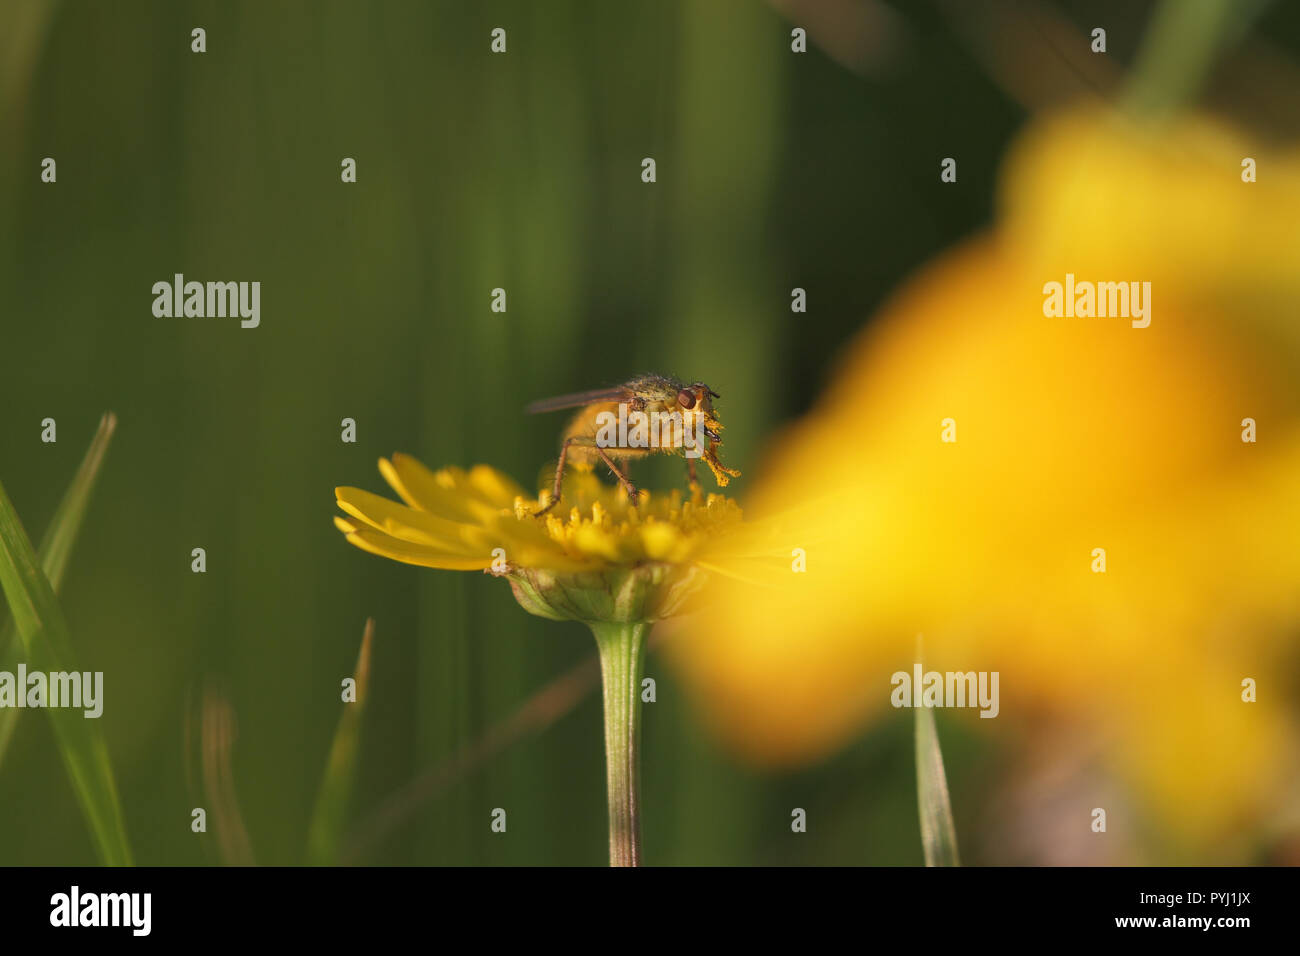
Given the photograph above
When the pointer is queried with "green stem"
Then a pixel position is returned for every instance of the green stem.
(1180, 47)
(622, 650)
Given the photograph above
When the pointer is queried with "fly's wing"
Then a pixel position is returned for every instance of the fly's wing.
(619, 393)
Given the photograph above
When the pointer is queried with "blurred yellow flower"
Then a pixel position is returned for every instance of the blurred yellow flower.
(1103, 194)
(1074, 437)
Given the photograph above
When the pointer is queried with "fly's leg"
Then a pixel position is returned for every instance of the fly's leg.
(604, 456)
(696, 490)
(622, 478)
(559, 477)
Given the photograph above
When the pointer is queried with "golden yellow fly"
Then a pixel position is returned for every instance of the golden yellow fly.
(649, 415)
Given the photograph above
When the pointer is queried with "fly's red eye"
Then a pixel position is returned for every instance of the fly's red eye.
(686, 398)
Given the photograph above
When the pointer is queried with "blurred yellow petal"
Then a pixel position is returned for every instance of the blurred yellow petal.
(1168, 198)
(660, 541)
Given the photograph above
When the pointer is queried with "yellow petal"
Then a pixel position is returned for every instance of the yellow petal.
(416, 527)
(441, 493)
(376, 542)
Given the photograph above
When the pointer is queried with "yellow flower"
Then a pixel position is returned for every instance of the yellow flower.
(602, 560)
(1169, 201)
(1072, 434)
(615, 567)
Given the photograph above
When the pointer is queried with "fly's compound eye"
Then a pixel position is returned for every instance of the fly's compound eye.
(686, 398)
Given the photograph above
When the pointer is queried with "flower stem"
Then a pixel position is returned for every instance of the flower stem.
(622, 648)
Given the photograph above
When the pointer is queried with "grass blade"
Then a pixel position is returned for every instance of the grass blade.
(61, 535)
(325, 835)
(218, 730)
(44, 634)
(55, 550)
(938, 835)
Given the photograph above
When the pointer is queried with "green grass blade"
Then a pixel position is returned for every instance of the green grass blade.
(44, 634)
(938, 835)
(55, 550)
(1182, 43)
(325, 835)
(56, 546)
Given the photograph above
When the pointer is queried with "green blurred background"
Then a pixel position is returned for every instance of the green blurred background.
(475, 171)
